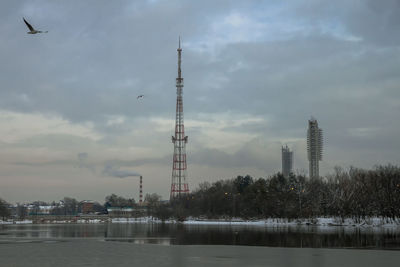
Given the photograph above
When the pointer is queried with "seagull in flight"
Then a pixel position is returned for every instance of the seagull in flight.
(31, 29)
(139, 96)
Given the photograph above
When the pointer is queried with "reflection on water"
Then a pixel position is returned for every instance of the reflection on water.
(178, 234)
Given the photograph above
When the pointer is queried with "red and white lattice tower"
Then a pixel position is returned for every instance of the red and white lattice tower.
(179, 185)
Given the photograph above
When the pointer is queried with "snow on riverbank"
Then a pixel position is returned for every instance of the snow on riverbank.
(136, 220)
(369, 222)
(374, 222)
(16, 222)
(89, 221)
(332, 221)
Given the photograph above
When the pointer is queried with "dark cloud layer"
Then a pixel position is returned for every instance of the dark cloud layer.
(271, 63)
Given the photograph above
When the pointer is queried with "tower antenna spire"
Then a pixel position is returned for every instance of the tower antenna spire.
(179, 185)
(179, 65)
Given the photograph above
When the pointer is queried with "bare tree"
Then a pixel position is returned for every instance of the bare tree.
(4, 209)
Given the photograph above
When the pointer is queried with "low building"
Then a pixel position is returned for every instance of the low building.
(87, 206)
(120, 211)
(39, 210)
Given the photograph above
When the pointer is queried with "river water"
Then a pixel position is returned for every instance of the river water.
(196, 245)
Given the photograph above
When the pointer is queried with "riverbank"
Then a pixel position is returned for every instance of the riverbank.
(368, 222)
(331, 221)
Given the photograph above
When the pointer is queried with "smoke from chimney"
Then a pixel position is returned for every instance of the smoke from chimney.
(109, 170)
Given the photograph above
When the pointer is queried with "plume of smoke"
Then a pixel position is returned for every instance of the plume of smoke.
(83, 156)
(83, 162)
(110, 170)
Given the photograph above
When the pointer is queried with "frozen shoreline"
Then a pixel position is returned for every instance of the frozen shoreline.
(331, 221)
(370, 222)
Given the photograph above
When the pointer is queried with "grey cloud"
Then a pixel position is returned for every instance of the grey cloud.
(251, 127)
(274, 72)
(99, 55)
(83, 162)
(256, 153)
(44, 163)
(90, 48)
(83, 156)
(57, 142)
(117, 163)
(373, 21)
(110, 170)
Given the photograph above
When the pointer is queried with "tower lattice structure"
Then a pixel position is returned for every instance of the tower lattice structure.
(287, 161)
(314, 147)
(179, 185)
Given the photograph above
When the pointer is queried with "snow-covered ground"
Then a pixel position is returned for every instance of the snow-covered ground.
(16, 222)
(23, 222)
(373, 221)
(90, 221)
(136, 220)
(331, 221)
(369, 222)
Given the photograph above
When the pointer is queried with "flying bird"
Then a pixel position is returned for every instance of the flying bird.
(139, 96)
(31, 29)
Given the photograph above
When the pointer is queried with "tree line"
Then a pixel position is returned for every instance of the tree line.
(355, 193)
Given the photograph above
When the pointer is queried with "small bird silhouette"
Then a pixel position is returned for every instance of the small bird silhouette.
(31, 29)
(139, 96)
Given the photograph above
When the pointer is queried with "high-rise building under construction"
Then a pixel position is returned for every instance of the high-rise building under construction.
(314, 147)
(287, 161)
(179, 185)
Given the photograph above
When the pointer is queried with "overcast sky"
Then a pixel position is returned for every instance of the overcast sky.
(255, 72)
